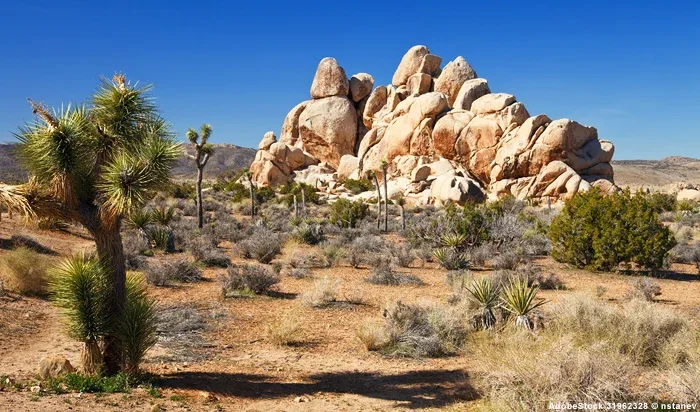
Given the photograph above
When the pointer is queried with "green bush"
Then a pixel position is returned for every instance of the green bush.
(600, 232)
(358, 186)
(346, 213)
(182, 190)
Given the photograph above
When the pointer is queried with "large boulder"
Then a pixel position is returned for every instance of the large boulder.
(360, 86)
(410, 64)
(492, 102)
(54, 366)
(456, 189)
(476, 146)
(430, 65)
(446, 131)
(329, 80)
(349, 167)
(290, 127)
(469, 92)
(453, 77)
(328, 128)
(419, 83)
(268, 139)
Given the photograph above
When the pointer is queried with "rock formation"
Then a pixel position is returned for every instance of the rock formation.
(445, 135)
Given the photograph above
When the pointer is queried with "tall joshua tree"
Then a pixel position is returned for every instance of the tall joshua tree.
(94, 164)
(386, 197)
(203, 151)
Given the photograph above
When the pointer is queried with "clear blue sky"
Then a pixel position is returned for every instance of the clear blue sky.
(629, 68)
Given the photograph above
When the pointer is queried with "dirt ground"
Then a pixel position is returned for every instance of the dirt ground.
(230, 364)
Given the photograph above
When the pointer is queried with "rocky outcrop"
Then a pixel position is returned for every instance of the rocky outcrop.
(54, 366)
(443, 133)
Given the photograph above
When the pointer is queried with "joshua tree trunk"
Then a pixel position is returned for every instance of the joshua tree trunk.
(386, 201)
(379, 202)
(403, 217)
(200, 207)
(296, 208)
(252, 196)
(111, 252)
(303, 202)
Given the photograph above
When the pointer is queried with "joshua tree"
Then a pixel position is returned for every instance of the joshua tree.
(94, 164)
(251, 189)
(373, 176)
(386, 197)
(401, 202)
(202, 152)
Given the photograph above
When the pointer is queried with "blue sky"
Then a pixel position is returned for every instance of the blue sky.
(629, 68)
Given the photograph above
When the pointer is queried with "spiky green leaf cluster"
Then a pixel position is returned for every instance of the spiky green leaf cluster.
(108, 155)
(136, 327)
(520, 299)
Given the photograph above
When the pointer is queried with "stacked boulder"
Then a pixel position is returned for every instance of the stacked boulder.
(442, 132)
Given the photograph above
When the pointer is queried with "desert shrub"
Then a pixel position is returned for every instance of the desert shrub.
(307, 259)
(662, 202)
(296, 273)
(180, 270)
(208, 254)
(323, 292)
(686, 254)
(181, 190)
(358, 186)
(23, 271)
(422, 330)
(332, 252)
(383, 273)
(346, 213)
(373, 335)
(550, 281)
(508, 260)
(363, 248)
(157, 275)
(451, 258)
(309, 233)
(535, 243)
(480, 254)
(163, 215)
(643, 288)
(285, 330)
(601, 232)
(403, 255)
(262, 245)
(51, 223)
(247, 279)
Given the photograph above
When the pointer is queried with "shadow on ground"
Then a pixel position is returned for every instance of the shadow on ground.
(432, 388)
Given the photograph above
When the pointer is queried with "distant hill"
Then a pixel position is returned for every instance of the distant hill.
(645, 173)
(225, 157)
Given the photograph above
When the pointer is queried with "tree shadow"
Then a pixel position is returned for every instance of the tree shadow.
(421, 389)
(18, 241)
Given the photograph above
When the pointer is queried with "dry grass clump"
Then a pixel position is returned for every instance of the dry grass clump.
(307, 259)
(589, 351)
(262, 245)
(322, 293)
(416, 330)
(285, 330)
(160, 274)
(643, 288)
(248, 280)
(383, 273)
(23, 271)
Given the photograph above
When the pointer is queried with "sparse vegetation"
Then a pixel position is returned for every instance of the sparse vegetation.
(248, 279)
(23, 271)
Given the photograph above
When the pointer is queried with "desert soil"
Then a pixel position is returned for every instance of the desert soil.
(232, 365)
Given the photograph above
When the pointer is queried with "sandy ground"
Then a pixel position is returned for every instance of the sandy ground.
(235, 367)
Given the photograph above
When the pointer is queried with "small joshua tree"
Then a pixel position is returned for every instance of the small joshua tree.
(202, 152)
(401, 202)
(386, 197)
(248, 175)
(373, 176)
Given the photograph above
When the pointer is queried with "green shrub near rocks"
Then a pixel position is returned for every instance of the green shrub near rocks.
(348, 214)
(601, 232)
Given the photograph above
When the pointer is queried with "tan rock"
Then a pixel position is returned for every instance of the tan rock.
(377, 100)
(370, 139)
(349, 165)
(266, 173)
(469, 92)
(419, 83)
(457, 189)
(328, 128)
(53, 366)
(420, 174)
(295, 157)
(441, 167)
(692, 195)
(329, 80)
(590, 154)
(361, 86)
(430, 65)
(492, 102)
(290, 127)
(453, 77)
(410, 63)
(279, 151)
(446, 131)
(268, 139)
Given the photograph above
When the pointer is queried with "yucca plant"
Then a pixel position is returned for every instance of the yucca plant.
(79, 285)
(163, 215)
(163, 238)
(202, 152)
(485, 293)
(141, 219)
(135, 329)
(450, 258)
(519, 299)
(94, 164)
(453, 240)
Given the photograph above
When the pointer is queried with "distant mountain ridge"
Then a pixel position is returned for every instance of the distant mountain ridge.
(225, 157)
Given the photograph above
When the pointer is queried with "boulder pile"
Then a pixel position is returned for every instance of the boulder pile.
(441, 131)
